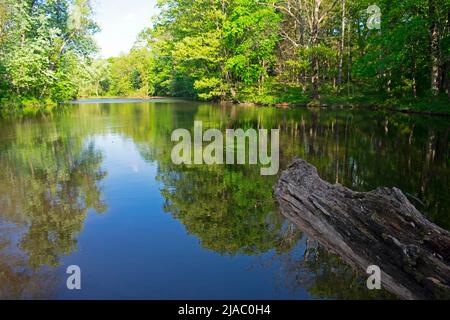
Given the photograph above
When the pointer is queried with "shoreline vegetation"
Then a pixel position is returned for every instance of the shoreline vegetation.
(438, 107)
(32, 108)
(321, 53)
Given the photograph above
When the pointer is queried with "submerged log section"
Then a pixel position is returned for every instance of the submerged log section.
(375, 228)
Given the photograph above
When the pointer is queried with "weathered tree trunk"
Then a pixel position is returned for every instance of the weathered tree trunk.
(375, 228)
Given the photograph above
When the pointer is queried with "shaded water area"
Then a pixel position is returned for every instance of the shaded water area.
(93, 185)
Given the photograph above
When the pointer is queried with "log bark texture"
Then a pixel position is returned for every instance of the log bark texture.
(378, 228)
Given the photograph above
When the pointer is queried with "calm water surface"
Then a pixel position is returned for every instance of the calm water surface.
(94, 186)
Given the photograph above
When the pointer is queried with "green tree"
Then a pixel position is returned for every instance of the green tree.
(129, 74)
(46, 46)
(213, 49)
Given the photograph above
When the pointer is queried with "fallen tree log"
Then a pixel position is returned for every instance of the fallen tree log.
(374, 228)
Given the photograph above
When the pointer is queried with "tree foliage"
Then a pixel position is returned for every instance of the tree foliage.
(268, 51)
(45, 48)
(241, 50)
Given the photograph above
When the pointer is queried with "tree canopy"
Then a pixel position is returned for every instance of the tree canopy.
(263, 51)
(45, 49)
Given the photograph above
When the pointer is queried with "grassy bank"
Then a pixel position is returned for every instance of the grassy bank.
(294, 96)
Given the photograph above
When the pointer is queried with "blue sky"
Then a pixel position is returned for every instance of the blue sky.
(121, 21)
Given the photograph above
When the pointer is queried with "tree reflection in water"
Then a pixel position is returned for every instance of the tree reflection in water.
(48, 182)
(231, 210)
(50, 174)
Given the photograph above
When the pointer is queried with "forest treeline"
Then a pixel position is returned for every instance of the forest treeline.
(46, 50)
(264, 51)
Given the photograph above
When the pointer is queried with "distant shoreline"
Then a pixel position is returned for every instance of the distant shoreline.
(279, 105)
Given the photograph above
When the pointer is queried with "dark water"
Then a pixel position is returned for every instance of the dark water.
(94, 186)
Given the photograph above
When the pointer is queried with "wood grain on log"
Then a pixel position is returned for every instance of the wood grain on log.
(370, 228)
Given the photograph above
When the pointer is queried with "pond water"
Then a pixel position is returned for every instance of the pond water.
(93, 185)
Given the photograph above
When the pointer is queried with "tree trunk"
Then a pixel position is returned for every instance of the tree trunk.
(314, 42)
(414, 81)
(379, 228)
(341, 48)
(315, 77)
(350, 60)
(434, 48)
(447, 69)
(447, 79)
